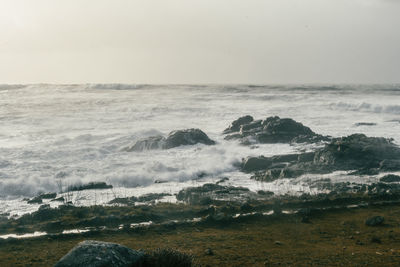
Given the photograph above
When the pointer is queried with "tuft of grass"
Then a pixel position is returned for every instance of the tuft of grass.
(166, 257)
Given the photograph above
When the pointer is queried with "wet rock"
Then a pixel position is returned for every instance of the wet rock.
(365, 124)
(91, 185)
(235, 125)
(35, 200)
(375, 221)
(206, 194)
(174, 139)
(366, 155)
(60, 199)
(271, 130)
(39, 199)
(187, 137)
(390, 178)
(97, 254)
(252, 164)
(357, 151)
(265, 193)
(222, 180)
(152, 196)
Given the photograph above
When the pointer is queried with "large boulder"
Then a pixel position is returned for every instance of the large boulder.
(271, 130)
(91, 253)
(174, 139)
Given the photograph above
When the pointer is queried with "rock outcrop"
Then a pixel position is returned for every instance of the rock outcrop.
(174, 139)
(271, 130)
(390, 178)
(365, 155)
(91, 253)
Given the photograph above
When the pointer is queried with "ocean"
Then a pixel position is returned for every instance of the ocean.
(55, 136)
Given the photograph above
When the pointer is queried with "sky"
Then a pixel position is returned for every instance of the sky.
(200, 41)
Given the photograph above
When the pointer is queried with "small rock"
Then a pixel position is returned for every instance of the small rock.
(279, 243)
(209, 252)
(376, 240)
(375, 221)
(305, 219)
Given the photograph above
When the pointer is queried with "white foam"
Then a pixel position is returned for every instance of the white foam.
(76, 133)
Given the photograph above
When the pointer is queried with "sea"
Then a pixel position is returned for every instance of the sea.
(56, 136)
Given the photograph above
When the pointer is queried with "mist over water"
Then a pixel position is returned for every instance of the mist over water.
(77, 133)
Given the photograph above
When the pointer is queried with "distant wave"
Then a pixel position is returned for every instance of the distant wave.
(367, 107)
(116, 86)
(11, 86)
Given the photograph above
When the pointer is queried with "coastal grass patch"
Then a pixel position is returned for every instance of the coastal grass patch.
(331, 238)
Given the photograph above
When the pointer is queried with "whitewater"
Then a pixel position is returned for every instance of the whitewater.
(54, 136)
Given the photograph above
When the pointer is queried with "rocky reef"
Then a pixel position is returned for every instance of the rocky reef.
(358, 153)
(174, 139)
(271, 130)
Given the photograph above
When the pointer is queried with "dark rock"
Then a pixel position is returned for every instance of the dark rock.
(152, 197)
(61, 199)
(91, 185)
(207, 193)
(39, 199)
(366, 155)
(265, 193)
(48, 195)
(222, 180)
(357, 151)
(209, 252)
(375, 239)
(99, 254)
(271, 130)
(375, 221)
(235, 125)
(187, 137)
(252, 164)
(174, 139)
(365, 124)
(35, 200)
(390, 178)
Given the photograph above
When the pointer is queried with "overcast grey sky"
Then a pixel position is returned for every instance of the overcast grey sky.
(200, 41)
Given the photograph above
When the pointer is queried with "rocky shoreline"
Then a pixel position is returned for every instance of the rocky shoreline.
(216, 204)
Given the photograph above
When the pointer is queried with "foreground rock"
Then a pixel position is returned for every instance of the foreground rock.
(365, 155)
(98, 254)
(174, 139)
(271, 130)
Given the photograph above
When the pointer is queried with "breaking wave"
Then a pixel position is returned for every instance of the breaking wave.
(366, 107)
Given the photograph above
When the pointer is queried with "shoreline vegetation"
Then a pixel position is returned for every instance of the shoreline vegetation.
(327, 237)
(223, 225)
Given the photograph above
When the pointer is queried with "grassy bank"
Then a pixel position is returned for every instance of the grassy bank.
(330, 238)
